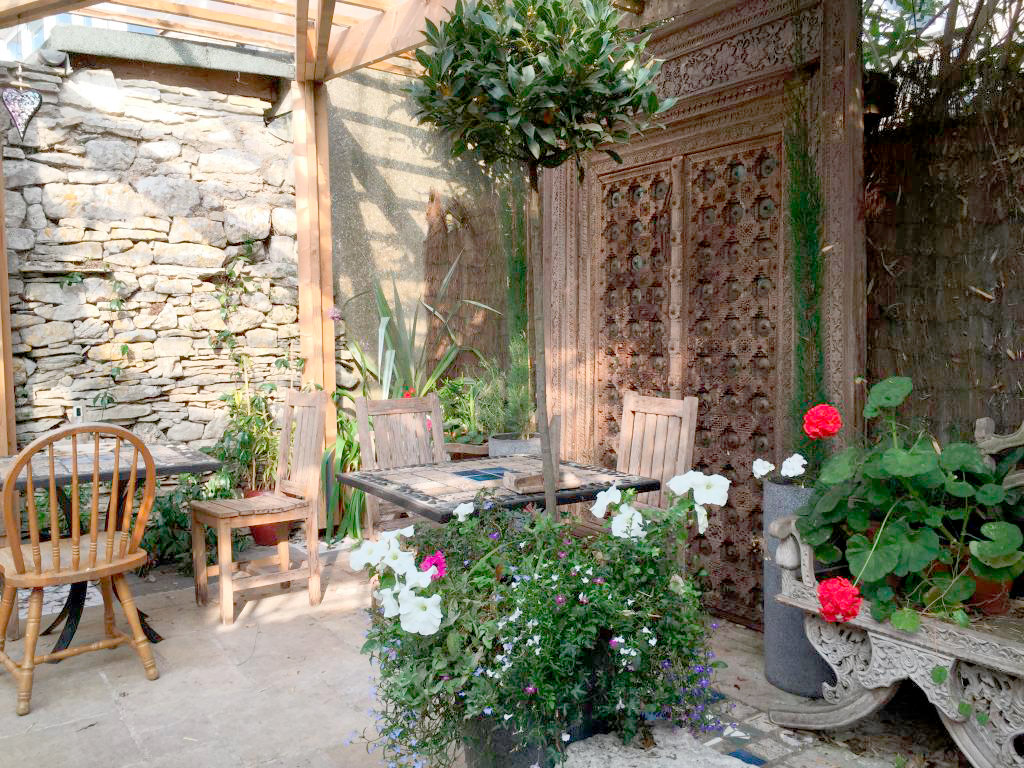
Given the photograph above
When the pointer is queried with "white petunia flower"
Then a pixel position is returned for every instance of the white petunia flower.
(420, 579)
(366, 554)
(390, 536)
(463, 511)
(793, 466)
(388, 603)
(762, 468)
(606, 497)
(628, 523)
(702, 518)
(420, 615)
(399, 561)
(680, 484)
(566, 737)
(711, 489)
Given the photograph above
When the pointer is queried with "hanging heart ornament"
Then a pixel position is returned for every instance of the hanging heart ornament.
(22, 106)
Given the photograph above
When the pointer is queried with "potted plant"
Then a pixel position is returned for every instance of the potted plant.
(459, 404)
(248, 449)
(919, 528)
(504, 633)
(506, 404)
(790, 662)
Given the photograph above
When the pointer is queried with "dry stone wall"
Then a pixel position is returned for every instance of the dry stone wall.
(134, 210)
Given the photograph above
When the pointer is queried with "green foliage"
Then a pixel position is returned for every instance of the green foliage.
(71, 278)
(168, 536)
(345, 506)
(249, 444)
(404, 356)
(805, 212)
(538, 623)
(535, 83)
(232, 285)
(915, 522)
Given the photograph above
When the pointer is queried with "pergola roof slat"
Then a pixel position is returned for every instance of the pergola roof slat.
(261, 23)
(211, 30)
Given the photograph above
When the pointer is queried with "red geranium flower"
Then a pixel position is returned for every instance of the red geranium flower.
(840, 600)
(822, 421)
(409, 392)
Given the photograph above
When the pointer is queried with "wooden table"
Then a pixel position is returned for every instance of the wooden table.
(168, 460)
(434, 490)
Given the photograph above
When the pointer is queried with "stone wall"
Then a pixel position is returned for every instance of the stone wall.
(135, 209)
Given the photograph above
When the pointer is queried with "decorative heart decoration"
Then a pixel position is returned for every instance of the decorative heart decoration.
(22, 106)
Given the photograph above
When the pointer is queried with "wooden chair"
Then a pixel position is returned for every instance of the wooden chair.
(405, 432)
(296, 498)
(656, 439)
(106, 552)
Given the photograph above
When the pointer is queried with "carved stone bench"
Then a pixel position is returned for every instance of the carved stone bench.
(981, 694)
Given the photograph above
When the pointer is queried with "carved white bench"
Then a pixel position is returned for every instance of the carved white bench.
(981, 694)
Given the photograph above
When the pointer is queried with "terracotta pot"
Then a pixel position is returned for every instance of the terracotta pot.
(266, 535)
(992, 598)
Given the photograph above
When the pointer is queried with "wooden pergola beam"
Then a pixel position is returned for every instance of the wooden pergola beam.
(191, 28)
(13, 12)
(324, 21)
(182, 10)
(395, 31)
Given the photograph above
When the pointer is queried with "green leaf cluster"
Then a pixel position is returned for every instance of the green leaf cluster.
(535, 82)
(914, 522)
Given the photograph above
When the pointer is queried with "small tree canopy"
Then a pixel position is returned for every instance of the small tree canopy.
(536, 82)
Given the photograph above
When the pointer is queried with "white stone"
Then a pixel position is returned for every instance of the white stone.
(197, 230)
(75, 253)
(280, 174)
(124, 393)
(228, 161)
(166, 320)
(90, 329)
(242, 319)
(186, 431)
(69, 311)
(188, 255)
(14, 208)
(258, 301)
(674, 748)
(53, 293)
(110, 154)
(261, 338)
(22, 319)
(173, 346)
(134, 335)
(93, 89)
(20, 239)
(167, 195)
(284, 222)
(139, 256)
(65, 159)
(121, 412)
(23, 173)
(282, 249)
(163, 150)
(247, 222)
(102, 201)
(207, 320)
(36, 218)
(173, 286)
(282, 315)
(216, 428)
(45, 335)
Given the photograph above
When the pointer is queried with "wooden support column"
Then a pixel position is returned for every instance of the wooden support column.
(313, 214)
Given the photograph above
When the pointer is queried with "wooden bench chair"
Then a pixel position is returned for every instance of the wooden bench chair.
(404, 432)
(656, 439)
(106, 552)
(296, 498)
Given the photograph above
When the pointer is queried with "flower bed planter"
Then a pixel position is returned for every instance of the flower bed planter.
(974, 676)
(511, 444)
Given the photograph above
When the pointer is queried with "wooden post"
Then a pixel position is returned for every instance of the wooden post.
(8, 439)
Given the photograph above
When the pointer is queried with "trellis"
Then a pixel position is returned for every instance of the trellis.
(327, 39)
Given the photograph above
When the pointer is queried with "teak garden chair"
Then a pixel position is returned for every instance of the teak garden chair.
(405, 432)
(656, 439)
(295, 498)
(106, 552)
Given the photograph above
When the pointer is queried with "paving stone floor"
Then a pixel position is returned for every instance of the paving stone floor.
(286, 684)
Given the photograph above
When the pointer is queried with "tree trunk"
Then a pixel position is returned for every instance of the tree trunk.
(535, 257)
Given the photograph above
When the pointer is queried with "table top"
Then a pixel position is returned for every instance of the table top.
(168, 459)
(434, 490)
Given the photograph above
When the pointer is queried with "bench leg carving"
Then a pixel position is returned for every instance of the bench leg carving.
(848, 651)
(997, 700)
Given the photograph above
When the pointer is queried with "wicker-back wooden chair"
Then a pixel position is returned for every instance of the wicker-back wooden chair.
(105, 551)
(656, 440)
(296, 498)
(404, 432)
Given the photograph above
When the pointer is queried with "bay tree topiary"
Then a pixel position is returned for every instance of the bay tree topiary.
(535, 84)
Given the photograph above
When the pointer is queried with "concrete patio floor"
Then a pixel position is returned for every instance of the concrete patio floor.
(286, 685)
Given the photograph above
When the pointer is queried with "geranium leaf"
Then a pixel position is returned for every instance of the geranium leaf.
(839, 468)
(903, 463)
(888, 393)
(964, 457)
(867, 565)
(906, 620)
(990, 494)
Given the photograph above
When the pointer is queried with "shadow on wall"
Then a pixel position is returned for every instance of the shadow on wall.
(383, 168)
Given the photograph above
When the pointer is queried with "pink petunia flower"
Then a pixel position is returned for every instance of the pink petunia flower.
(435, 559)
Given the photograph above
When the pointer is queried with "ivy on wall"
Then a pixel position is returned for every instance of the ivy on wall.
(805, 209)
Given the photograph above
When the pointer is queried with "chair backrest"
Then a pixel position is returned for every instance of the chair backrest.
(405, 432)
(656, 439)
(72, 457)
(301, 443)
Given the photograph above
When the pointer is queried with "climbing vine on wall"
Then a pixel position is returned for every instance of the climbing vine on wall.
(806, 208)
